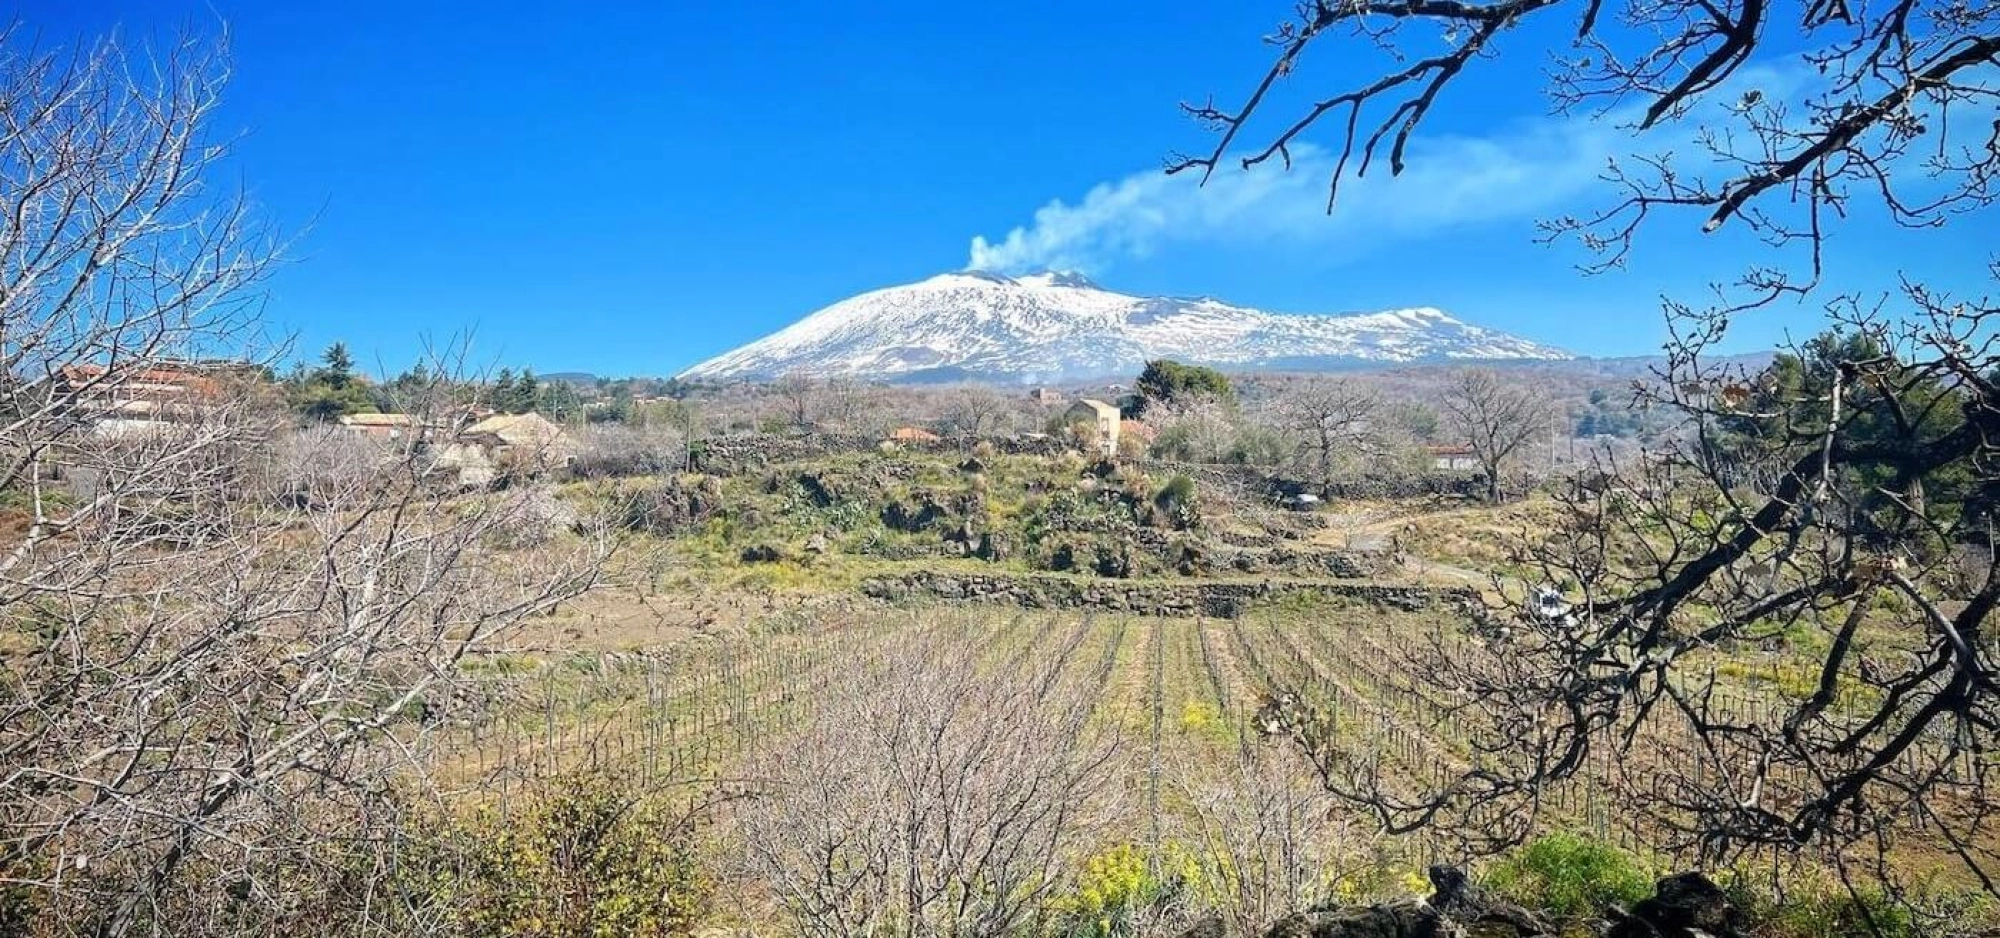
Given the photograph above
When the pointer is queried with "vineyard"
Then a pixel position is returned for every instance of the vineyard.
(1175, 701)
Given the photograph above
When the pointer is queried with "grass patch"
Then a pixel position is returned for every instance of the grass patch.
(1571, 876)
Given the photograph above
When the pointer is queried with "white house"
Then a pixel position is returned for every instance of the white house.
(1454, 459)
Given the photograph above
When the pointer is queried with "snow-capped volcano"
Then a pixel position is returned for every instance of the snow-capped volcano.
(1049, 326)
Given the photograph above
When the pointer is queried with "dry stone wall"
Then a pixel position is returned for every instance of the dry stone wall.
(1218, 598)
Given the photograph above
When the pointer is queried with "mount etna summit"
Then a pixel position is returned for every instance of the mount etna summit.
(1048, 326)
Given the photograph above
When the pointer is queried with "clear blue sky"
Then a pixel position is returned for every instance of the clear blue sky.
(628, 191)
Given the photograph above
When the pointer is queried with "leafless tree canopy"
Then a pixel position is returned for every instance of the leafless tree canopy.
(930, 799)
(224, 644)
(801, 400)
(1495, 418)
(1838, 508)
(1336, 422)
(975, 412)
(1268, 842)
(1891, 108)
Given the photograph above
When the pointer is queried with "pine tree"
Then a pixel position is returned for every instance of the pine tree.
(339, 369)
(503, 389)
(527, 393)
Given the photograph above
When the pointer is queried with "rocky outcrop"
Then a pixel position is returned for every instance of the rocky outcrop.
(1218, 598)
(1210, 925)
(1687, 905)
(1478, 915)
(821, 489)
(734, 455)
(762, 553)
(671, 507)
(923, 511)
(1411, 919)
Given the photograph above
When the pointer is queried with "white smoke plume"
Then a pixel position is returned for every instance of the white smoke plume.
(1447, 182)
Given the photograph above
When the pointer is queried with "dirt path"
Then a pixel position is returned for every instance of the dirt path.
(1375, 528)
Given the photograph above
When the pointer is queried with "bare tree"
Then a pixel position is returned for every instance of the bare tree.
(930, 799)
(1876, 89)
(1266, 842)
(215, 659)
(1495, 418)
(1333, 419)
(851, 405)
(799, 396)
(974, 411)
(1840, 505)
(1808, 515)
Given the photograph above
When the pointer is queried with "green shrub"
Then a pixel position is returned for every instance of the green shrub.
(1825, 909)
(1110, 890)
(585, 857)
(1113, 560)
(1176, 499)
(1259, 446)
(1571, 875)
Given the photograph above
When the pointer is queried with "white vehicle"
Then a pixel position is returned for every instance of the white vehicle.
(1548, 604)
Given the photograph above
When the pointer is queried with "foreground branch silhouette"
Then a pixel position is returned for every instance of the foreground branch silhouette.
(227, 641)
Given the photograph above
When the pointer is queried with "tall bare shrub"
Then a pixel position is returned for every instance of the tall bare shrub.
(929, 798)
(221, 654)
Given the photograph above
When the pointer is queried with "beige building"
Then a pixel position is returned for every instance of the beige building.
(529, 435)
(522, 444)
(1101, 419)
(381, 426)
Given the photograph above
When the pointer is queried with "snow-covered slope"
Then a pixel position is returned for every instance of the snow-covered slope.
(1048, 326)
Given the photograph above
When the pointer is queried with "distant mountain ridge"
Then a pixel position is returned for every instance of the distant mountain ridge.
(1054, 326)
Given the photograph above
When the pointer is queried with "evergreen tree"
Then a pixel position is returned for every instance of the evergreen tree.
(503, 389)
(330, 391)
(560, 400)
(338, 372)
(418, 376)
(1784, 412)
(1165, 382)
(527, 393)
